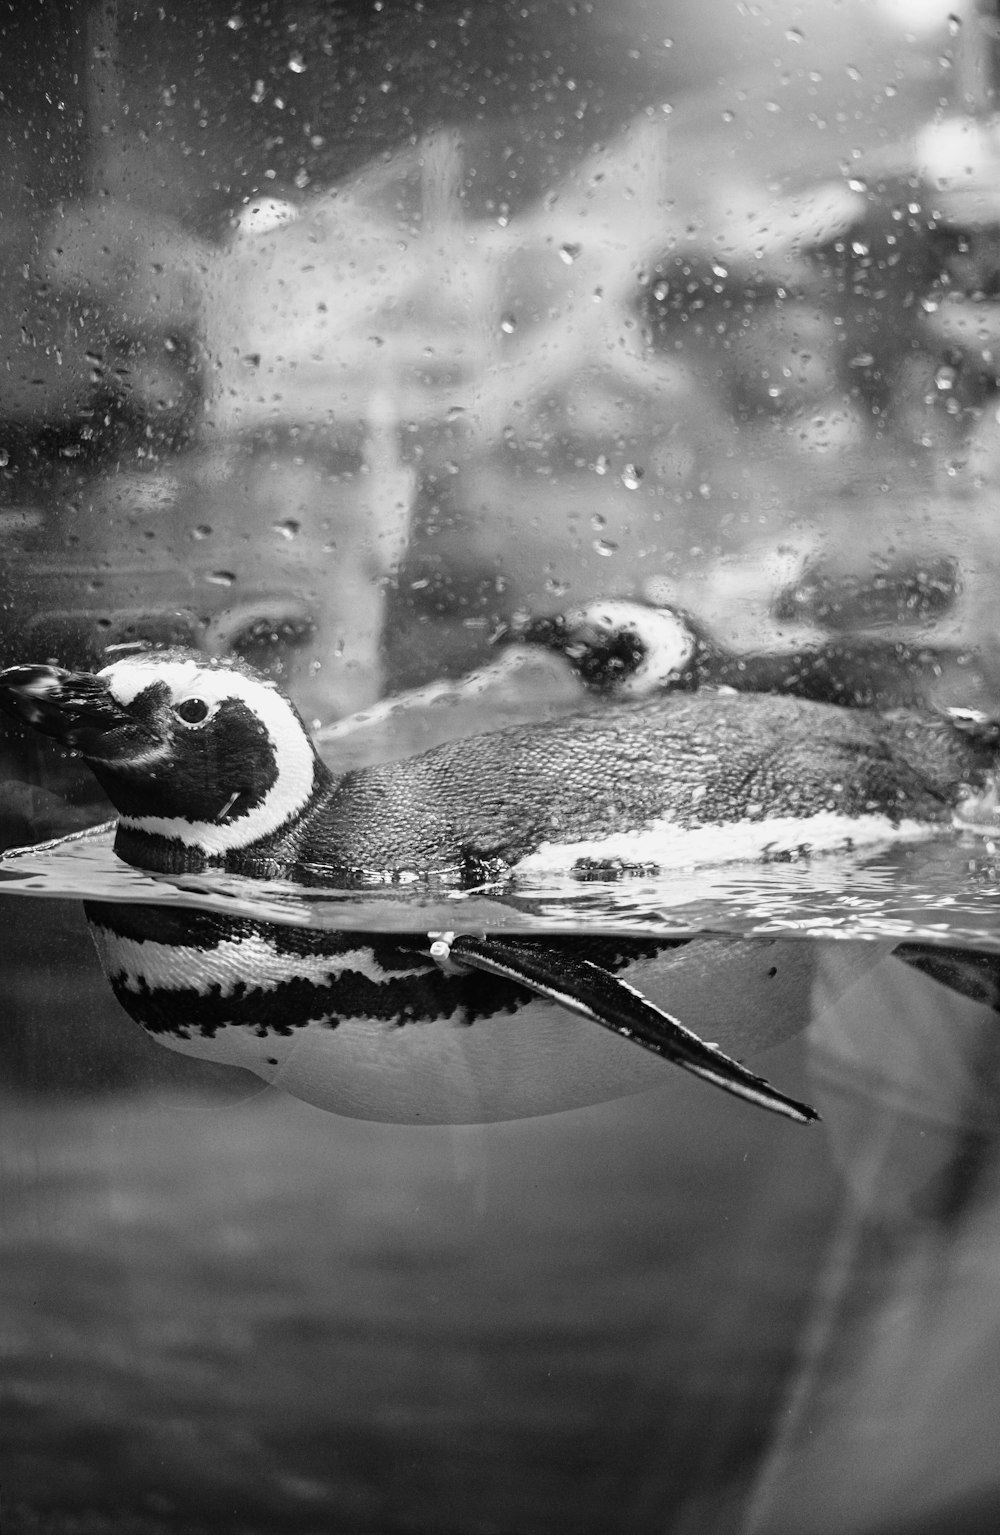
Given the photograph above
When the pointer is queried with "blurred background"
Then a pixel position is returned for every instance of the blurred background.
(334, 335)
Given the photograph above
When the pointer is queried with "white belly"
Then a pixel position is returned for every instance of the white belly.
(537, 1059)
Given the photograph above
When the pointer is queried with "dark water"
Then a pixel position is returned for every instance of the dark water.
(226, 1310)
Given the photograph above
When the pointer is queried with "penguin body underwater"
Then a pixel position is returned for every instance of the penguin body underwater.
(209, 766)
(627, 648)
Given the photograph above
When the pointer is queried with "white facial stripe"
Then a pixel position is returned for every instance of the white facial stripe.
(250, 960)
(670, 644)
(132, 675)
(669, 846)
(292, 747)
(670, 647)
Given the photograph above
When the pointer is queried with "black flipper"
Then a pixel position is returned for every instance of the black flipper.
(594, 993)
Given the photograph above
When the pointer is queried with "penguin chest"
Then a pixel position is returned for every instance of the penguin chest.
(368, 1026)
(364, 1025)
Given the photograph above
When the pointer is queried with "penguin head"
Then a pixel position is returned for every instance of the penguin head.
(622, 647)
(200, 753)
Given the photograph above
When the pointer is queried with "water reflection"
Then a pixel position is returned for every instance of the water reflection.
(945, 890)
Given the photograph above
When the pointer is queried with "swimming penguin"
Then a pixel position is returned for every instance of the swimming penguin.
(209, 766)
(627, 648)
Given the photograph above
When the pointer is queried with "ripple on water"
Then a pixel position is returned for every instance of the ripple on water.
(945, 890)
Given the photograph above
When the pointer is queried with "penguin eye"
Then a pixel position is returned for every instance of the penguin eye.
(192, 711)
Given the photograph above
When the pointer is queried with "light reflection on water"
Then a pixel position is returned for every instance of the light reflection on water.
(943, 891)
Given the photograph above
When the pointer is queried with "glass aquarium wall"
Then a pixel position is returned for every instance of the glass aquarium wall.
(351, 338)
(336, 335)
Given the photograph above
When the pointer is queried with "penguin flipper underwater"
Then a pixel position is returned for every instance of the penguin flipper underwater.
(583, 987)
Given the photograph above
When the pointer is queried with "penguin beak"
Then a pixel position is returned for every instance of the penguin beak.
(75, 708)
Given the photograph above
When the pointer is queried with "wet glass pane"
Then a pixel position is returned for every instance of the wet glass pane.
(455, 367)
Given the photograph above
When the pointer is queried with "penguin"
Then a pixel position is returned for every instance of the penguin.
(209, 766)
(628, 648)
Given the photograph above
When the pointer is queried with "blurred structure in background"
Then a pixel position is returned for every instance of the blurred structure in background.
(333, 334)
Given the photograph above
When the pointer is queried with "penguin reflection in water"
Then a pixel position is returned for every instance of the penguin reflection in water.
(209, 766)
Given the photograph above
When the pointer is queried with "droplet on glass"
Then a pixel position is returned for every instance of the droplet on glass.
(632, 476)
(202, 531)
(569, 252)
(508, 324)
(604, 547)
(4, 458)
(288, 529)
(297, 64)
(945, 378)
(602, 464)
(221, 578)
(258, 93)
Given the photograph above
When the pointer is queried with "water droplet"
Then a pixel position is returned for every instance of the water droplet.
(954, 25)
(605, 547)
(288, 529)
(258, 93)
(569, 252)
(508, 324)
(202, 531)
(297, 64)
(235, 23)
(221, 578)
(945, 378)
(4, 458)
(632, 476)
(602, 464)
(455, 413)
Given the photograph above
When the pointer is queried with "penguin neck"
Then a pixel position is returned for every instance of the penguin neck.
(270, 854)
